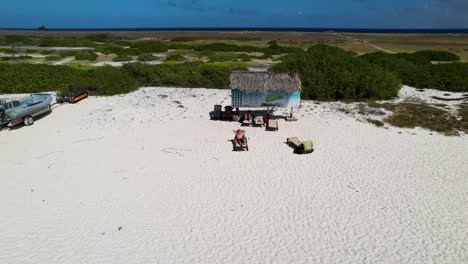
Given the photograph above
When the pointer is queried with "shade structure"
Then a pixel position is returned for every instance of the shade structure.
(259, 89)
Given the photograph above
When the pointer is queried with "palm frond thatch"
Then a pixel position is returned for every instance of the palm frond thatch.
(265, 82)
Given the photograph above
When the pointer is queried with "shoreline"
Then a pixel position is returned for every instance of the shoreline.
(224, 34)
(258, 29)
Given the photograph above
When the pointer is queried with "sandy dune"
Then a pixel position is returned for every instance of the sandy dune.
(148, 178)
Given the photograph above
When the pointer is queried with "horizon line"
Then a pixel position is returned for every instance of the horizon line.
(238, 28)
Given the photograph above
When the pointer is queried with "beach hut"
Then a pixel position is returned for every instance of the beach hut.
(265, 89)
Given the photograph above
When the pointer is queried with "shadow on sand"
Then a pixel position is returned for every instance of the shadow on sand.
(21, 125)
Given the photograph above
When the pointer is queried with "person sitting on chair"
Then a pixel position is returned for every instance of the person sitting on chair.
(248, 116)
(240, 138)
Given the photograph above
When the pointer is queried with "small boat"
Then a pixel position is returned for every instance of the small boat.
(24, 109)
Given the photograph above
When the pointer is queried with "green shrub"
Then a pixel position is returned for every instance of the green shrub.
(109, 49)
(179, 46)
(79, 54)
(54, 57)
(149, 46)
(329, 73)
(174, 57)
(227, 56)
(106, 80)
(47, 52)
(181, 75)
(86, 55)
(377, 123)
(418, 71)
(9, 51)
(15, 58)
(276, 49)
(147, 57)
(123, 43)
(409, 115)
(223, 47)
(121, 58)
(437, 55)
(32, 51)
(448, 77)
(112, 49)
(30, 78)
(17, 40)
(65, 42)
(67, 53)
(265, 56)
(23, 57)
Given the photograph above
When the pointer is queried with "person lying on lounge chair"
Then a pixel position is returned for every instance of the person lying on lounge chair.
(240, 137)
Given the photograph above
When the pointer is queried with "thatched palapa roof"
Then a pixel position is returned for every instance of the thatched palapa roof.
(265, 82)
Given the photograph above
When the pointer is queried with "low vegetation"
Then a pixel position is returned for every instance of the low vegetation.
(8, 51)
(121, 58)
(377, 123)
(147, 57)
(149, 46)
(53, 57)
(273, 49)
(15, 58)
(87, 56)
(192, 74)
(418, 71)
(411, 115)
(336, 75)
(329, 73)
(79, 55)
(174, 57)
(106, 80)
(10, 40)
(437, 55)
(225, 56)
(29, 78)
(65, 42)
(47, 52)
(223, 47)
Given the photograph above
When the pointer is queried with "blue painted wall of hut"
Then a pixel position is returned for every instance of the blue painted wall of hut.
(284, 100)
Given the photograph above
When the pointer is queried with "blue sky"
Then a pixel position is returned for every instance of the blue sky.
(235, 13)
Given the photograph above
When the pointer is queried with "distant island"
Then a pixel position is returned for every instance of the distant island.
(42, 28)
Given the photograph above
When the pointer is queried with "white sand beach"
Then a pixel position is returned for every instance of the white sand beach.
(147, 178)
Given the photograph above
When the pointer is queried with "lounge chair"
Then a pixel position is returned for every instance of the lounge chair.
(293, 142)
(217, 113)
(300, 147)
(237, 147)
(227, 114)
(291, 119)
(258, 121)
(272, 125)
(247, 120)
